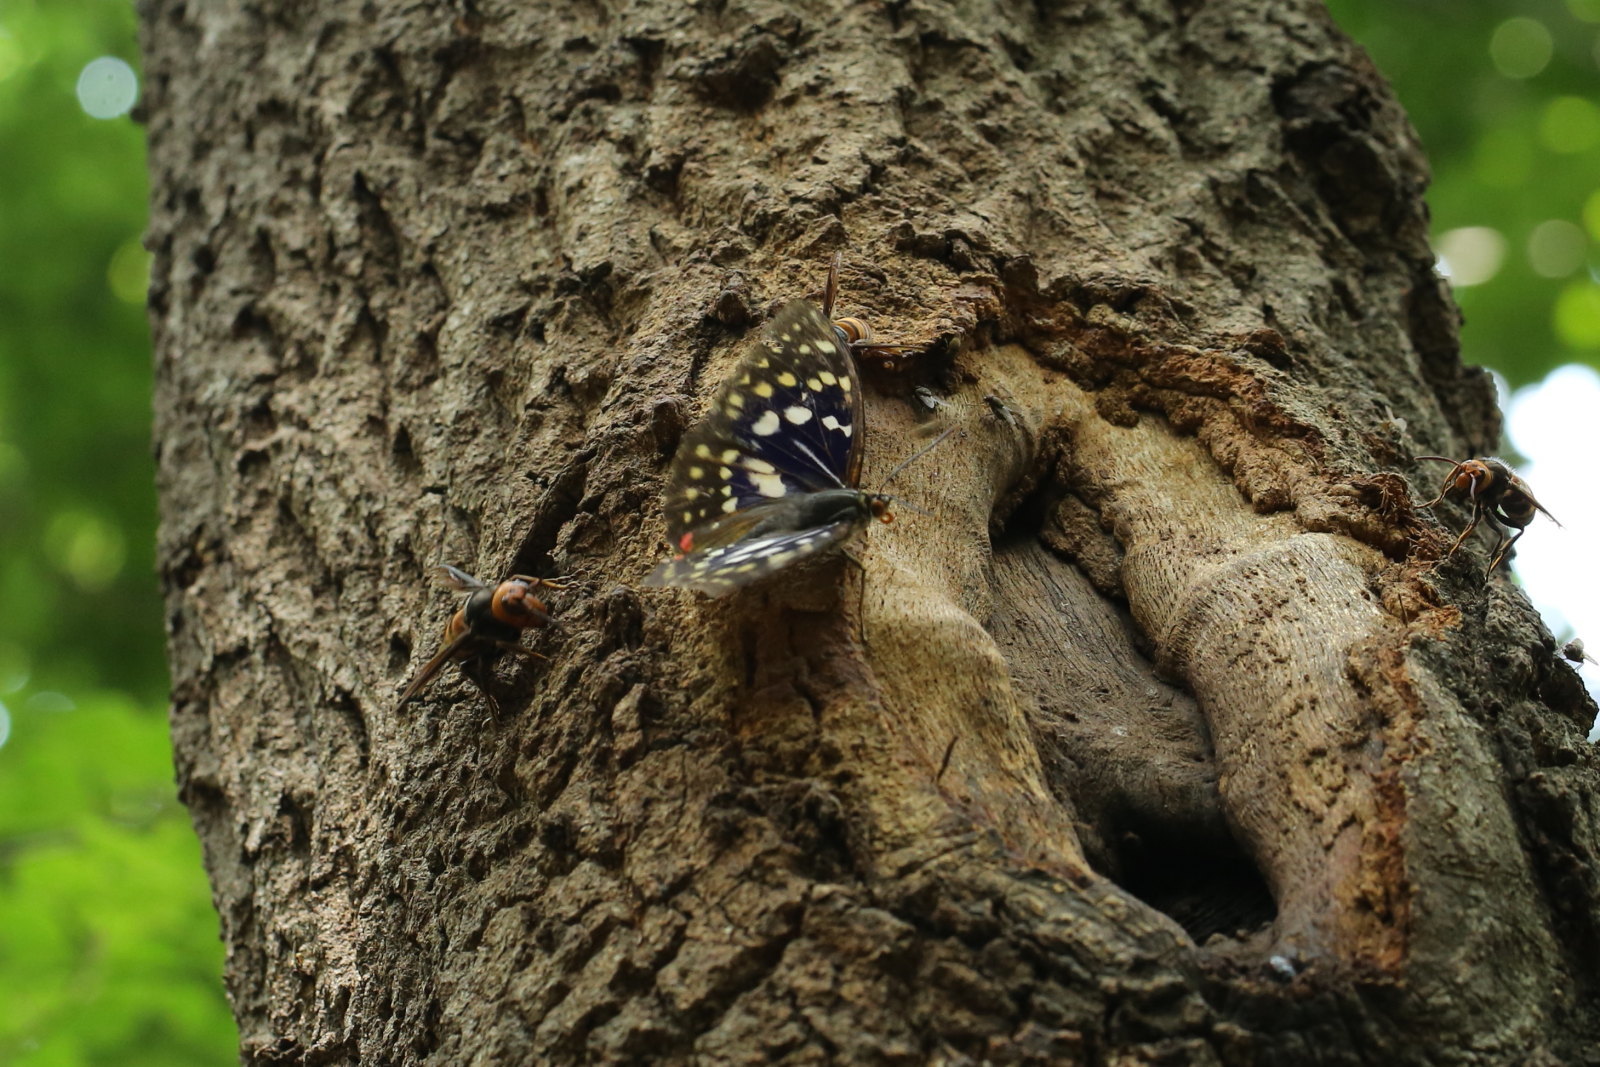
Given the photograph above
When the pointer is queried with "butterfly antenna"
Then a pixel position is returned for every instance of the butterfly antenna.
(902, 504)
(908, 461)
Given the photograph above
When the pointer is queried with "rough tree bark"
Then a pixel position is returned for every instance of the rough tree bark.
(1160, 738)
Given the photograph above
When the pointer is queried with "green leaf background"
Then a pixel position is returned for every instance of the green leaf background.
(109, 951)
(1504, 96)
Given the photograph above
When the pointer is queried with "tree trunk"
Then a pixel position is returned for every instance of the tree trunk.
(1158, 734)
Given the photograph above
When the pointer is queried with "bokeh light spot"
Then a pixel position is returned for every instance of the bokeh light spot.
(1470, 255)
(129, 272)
(107, 87)
(1557, 248)
(1584, 10)
(1591, 214)
(5, 725)
(52, 702)
(86, 548)
(1569, 124)
(1577, 315)
(1520, 47)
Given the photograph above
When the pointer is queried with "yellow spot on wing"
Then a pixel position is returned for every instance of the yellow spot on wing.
(769, 484)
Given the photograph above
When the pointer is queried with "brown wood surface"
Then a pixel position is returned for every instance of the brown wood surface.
(1155, 734)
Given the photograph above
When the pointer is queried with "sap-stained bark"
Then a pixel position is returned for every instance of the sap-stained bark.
(1149, 732)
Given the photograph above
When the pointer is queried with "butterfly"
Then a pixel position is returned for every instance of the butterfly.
(490, 620)
(772, 474)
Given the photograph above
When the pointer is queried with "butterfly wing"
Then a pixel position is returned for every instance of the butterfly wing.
(787, 421)
(724, 568)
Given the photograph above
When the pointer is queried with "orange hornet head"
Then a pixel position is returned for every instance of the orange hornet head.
(515, 605)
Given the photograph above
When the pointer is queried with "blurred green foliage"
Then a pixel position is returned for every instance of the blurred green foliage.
(1505, 95)
(109, 951)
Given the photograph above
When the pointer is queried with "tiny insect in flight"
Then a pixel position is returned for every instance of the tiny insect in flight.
(772, 474)
(1498, 497)
(489, 621)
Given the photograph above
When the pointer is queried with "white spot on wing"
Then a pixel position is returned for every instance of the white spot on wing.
(730, 505)
(769, 484)
(766, 425)
(798, 415)
(833, 423)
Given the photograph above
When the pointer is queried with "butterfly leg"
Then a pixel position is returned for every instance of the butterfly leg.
(944, 764)
(861, 596)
